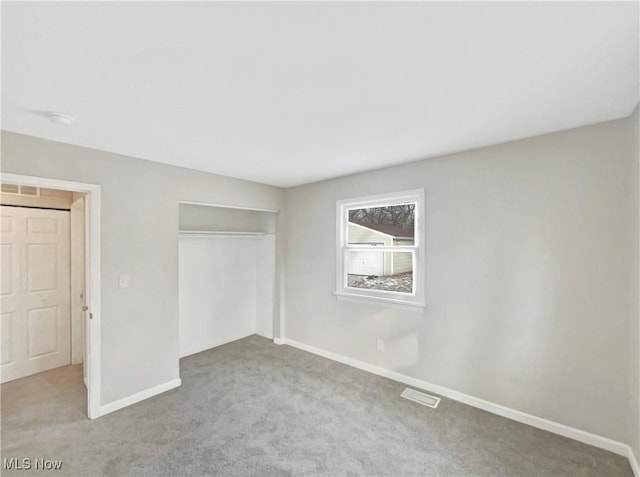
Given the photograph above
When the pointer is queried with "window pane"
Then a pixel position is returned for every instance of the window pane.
(386, 271)
(391, 225)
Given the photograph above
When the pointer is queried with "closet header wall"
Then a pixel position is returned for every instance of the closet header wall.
(223, 219)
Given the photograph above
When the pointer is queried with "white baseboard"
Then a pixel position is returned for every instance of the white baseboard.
(279, 341)
(633, 460)
(534, 421)
(137, 397)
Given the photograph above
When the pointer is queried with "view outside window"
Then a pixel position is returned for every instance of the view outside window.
(372, 235)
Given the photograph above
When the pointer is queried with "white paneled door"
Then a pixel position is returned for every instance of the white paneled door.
(35, 289)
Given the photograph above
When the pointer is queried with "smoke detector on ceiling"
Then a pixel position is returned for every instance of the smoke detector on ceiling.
(62, 119)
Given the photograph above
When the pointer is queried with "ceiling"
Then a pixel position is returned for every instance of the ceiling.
(290, 93)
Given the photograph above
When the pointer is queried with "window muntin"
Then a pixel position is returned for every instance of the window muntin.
(379, 247)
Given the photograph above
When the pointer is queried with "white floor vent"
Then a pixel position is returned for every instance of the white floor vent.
(420, 398)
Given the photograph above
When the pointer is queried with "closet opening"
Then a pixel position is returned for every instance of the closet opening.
(226, 275)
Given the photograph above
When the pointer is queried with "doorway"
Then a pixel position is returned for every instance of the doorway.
(53, 330)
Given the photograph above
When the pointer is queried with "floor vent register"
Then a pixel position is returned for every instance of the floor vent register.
(420, 397)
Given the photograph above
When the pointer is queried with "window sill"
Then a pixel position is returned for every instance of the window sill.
(380, 301)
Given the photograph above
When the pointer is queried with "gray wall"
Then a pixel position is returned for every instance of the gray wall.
(528, 248)
(634, 323)
(139, 237)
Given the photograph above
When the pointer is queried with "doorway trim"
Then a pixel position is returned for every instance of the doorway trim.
(92, 275)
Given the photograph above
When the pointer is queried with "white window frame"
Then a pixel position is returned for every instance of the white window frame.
(411, 301)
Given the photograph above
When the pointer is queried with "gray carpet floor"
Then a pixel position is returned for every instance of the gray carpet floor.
(254, 408)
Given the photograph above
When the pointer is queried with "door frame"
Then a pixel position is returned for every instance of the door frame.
(92, 274)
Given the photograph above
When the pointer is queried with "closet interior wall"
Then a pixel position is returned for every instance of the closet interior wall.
(226, 275)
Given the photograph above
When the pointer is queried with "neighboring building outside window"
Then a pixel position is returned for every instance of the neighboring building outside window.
(380, 255)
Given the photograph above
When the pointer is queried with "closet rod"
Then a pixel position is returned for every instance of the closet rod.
(219, 233)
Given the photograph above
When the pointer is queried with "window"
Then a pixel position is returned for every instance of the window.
(380, 255)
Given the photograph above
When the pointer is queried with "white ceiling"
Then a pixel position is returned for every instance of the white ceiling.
(290, 93)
